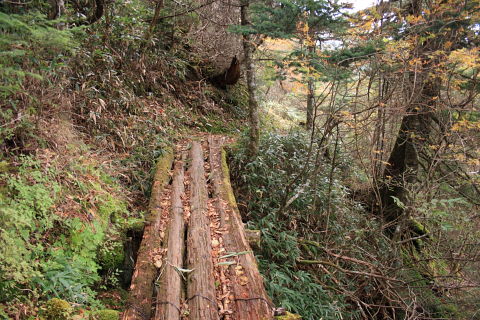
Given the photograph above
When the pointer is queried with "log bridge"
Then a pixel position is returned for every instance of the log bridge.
(195, 261)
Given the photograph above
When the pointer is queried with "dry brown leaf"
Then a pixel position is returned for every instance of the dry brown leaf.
(243, 280)
(157, 261)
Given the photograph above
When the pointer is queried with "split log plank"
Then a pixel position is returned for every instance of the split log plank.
(250, 297)
(200, 287)
(139, 305)
(170, 292)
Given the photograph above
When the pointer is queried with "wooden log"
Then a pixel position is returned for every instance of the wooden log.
(250, 297)
(139, 304)
(200, 287)
(168, 304)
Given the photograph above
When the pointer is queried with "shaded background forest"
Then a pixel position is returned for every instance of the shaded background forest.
(364, 180)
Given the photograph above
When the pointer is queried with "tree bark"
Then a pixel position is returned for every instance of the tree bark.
(57, 10)
(251, 86)
(200, 288)
(415, 129)
(310, 84)
(99, 10)
(251, 301)
(142, 284)
(154, 22)
(169, 297)
(310, 103)
(403, 163)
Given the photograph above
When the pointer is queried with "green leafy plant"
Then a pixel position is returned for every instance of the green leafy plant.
(257, 182)
(24, 210)
(44, 255)
(31, 48)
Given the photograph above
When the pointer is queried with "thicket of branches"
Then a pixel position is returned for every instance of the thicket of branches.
(392, 112)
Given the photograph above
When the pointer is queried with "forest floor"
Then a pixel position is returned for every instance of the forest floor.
(195, 261)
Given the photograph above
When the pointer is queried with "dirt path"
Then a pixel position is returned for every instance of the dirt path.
(194, 261)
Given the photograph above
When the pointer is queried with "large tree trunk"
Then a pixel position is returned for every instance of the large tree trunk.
(141, 288)
(251, 301)
(414, 134)
(250, 72)
(200, 288)
(403, 163)
(169, 297)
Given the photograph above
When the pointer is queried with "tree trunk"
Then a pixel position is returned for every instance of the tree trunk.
(310, 103)
(403, 163)
(141, 288)
(310, 84)
(57, 9)
(154, 22)
(98, 13)
(169, 297)
(201, 288)
(251, 301)
(251, 87)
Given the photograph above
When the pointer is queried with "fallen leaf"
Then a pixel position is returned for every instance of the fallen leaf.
(157, 261)
(243, 280)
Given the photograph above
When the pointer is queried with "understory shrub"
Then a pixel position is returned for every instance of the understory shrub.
(285, 215)
(322, 255)
(46, 255)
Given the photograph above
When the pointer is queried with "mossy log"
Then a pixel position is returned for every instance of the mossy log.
(201, 298)
(251, 301)
(142, 284)
(170, 292)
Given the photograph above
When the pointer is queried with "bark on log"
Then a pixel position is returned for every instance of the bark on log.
(142, 284)
(200, 288)
(251, 299)
(170, 293)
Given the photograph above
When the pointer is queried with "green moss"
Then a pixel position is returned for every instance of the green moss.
(226, 181)
(289, 316)
(4, 167)
(136, 225)
(417, 227)
(438, 267)
(105, 315)
(110, 208)
(58, 309)
(162, 174)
